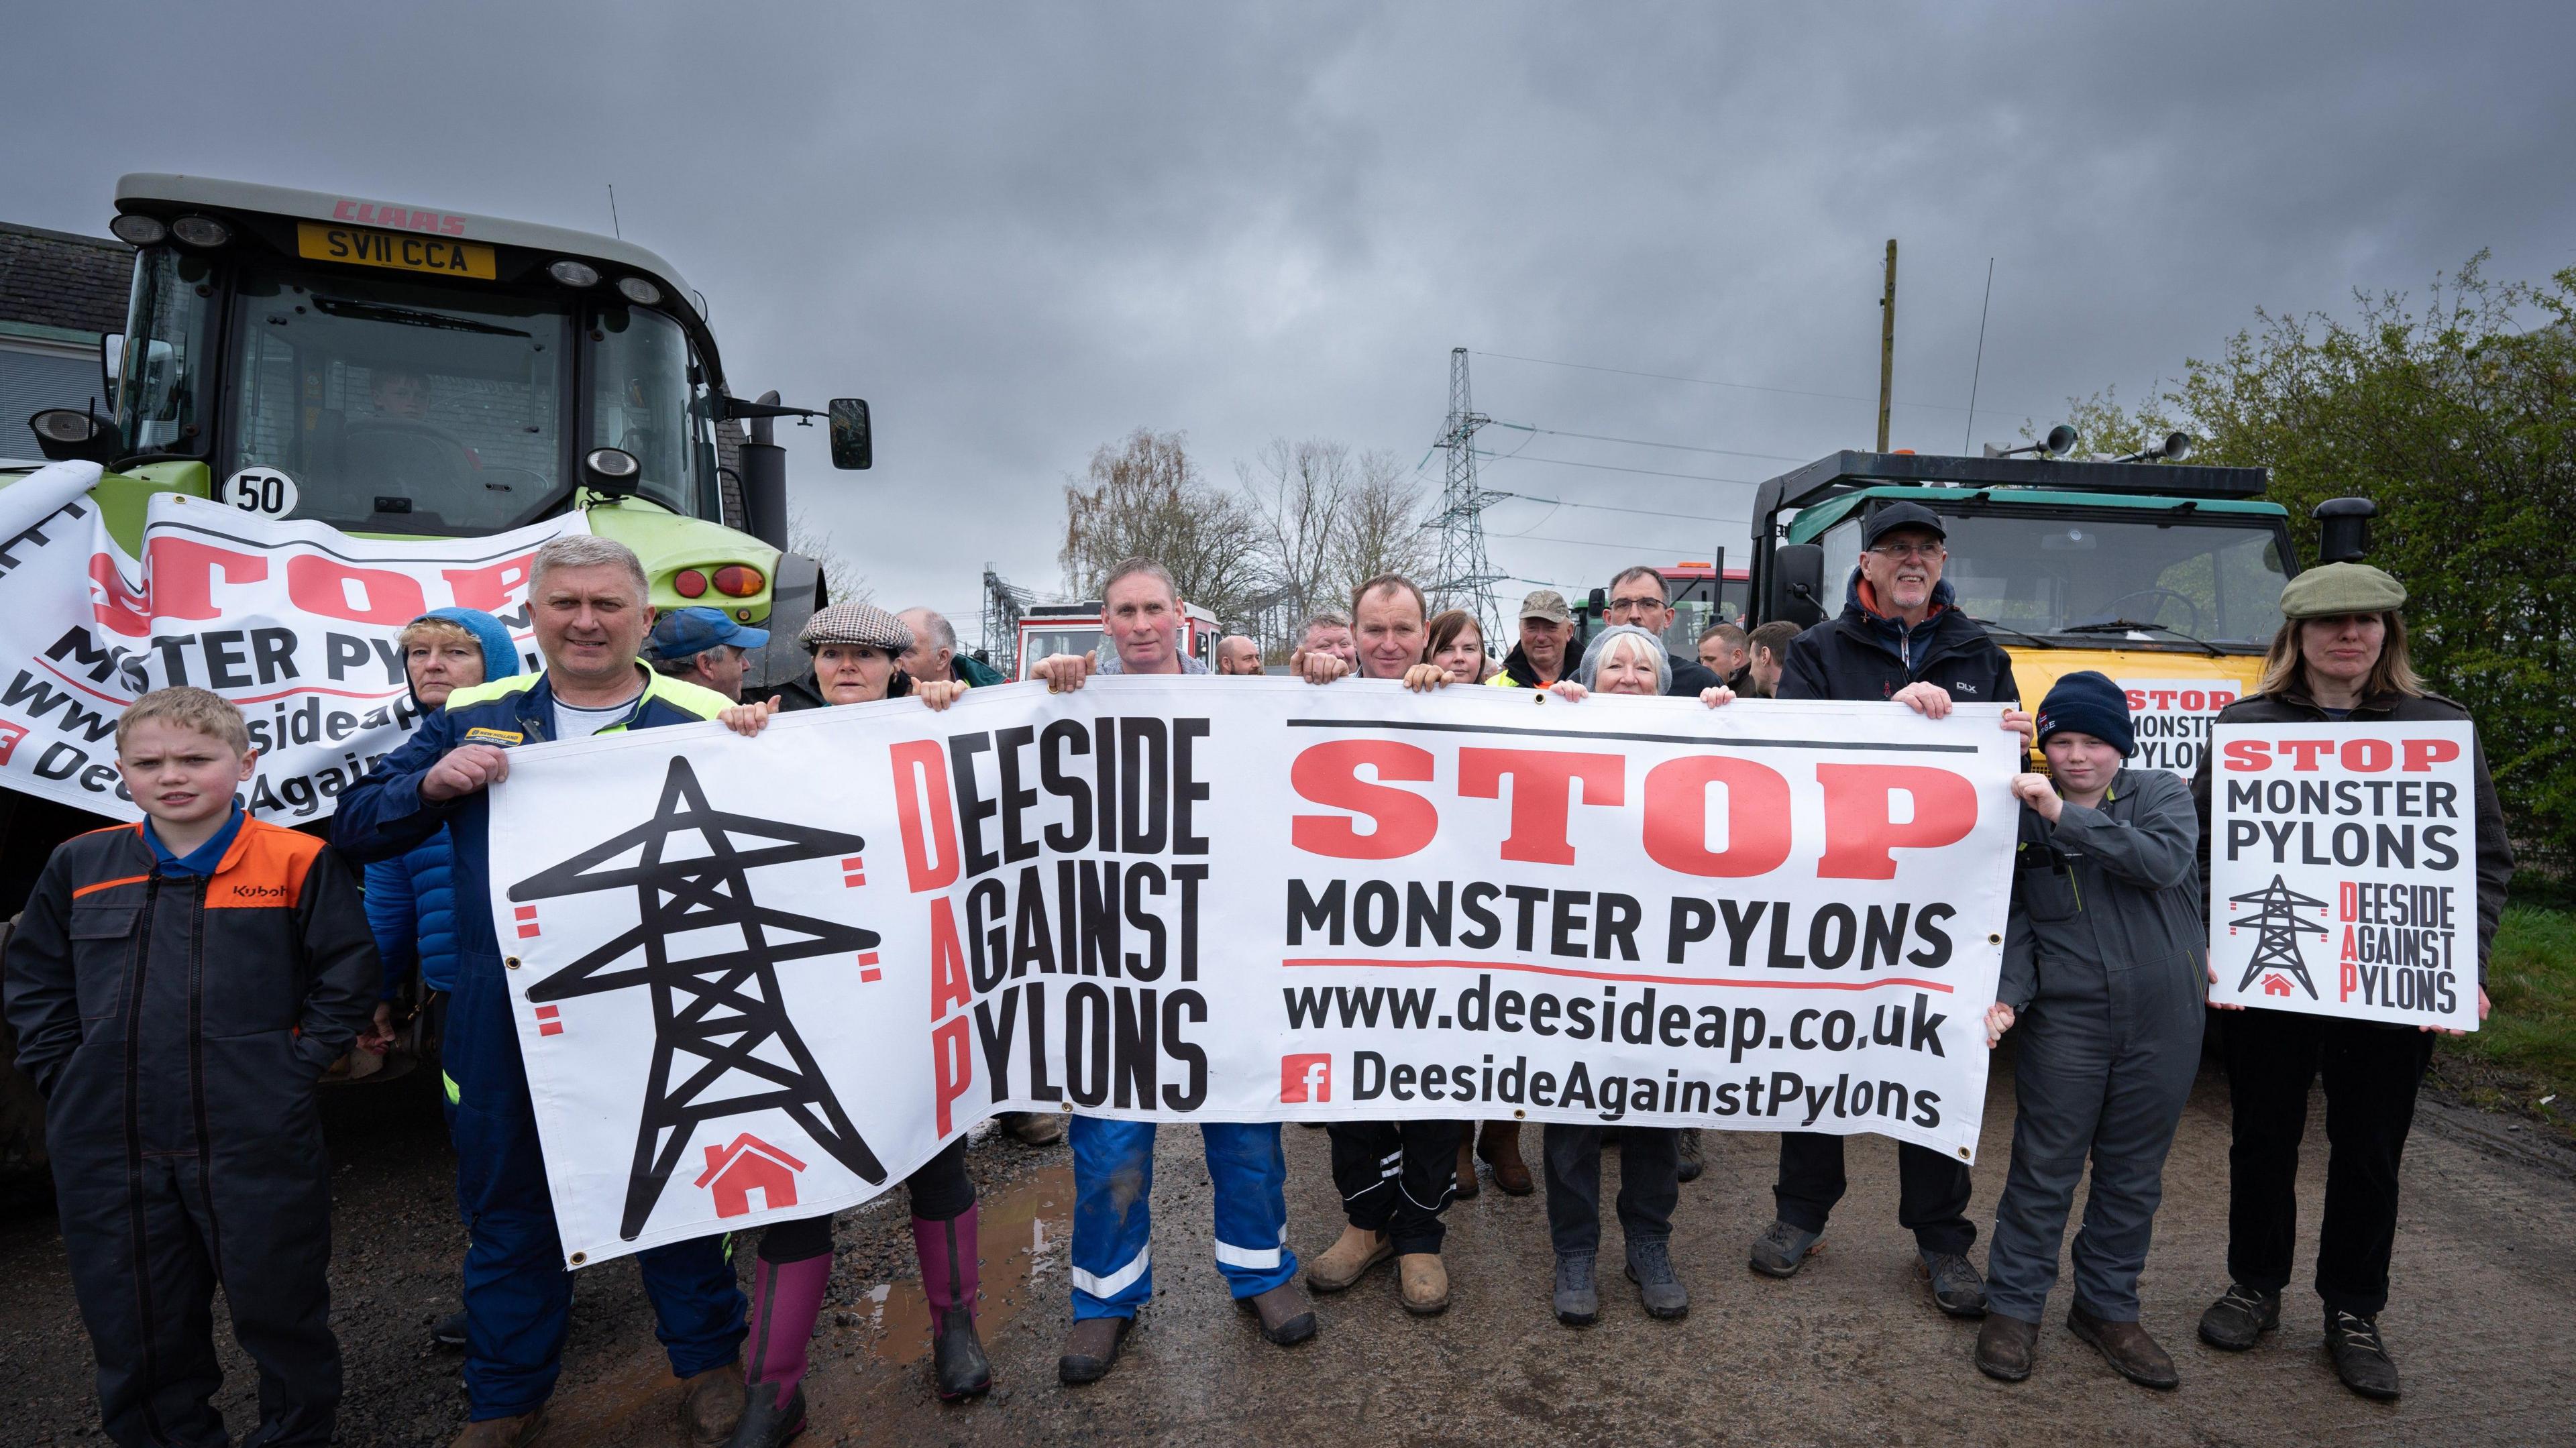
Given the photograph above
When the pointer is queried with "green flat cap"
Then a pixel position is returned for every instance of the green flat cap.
(2340, 588)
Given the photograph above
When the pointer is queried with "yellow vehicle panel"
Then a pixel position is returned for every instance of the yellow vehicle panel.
(2171, 695)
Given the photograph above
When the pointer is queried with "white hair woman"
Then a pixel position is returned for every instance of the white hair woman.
(1628, 660)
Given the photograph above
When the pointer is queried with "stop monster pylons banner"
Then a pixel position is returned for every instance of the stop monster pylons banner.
(294, 622)
(2343, 870)
(767, 978)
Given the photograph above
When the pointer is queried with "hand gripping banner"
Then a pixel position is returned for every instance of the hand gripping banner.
(293, 621)
(767, 978)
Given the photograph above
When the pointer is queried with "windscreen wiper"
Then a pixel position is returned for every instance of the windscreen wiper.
(2123, 625)
(2023, 634)
(379, 312)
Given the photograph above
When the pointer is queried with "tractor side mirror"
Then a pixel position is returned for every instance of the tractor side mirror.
(72, 434)
(853, 449)
(1797, 584)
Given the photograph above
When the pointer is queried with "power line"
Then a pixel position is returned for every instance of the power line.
(1585, 542)
(1615, 468)
(1614, 508)
(1649, 442)
(1713, 382)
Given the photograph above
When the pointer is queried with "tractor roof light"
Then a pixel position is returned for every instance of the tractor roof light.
(573, 273)
(135, 229)
(201, 231)
(739, 580)
(639, 291)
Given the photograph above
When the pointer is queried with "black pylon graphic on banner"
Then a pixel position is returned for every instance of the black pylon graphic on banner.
(2278, 927)
(718, 1008)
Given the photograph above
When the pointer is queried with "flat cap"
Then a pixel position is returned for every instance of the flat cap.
(863, 624)
(2333, 589)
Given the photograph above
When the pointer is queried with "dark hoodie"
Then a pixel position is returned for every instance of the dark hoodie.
(411, 900)
(1866, 654)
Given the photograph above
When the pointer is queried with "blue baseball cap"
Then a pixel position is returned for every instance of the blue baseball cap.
(685, 631)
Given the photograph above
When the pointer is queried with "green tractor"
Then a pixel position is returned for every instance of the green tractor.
(392, 370)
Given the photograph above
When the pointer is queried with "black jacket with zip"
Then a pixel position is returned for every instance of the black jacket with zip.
(2293, 706)
(1865, 655)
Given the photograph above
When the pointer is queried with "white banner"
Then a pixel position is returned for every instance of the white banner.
(295, 622)
(771, 977)
(2171, 719)
(2342, 877)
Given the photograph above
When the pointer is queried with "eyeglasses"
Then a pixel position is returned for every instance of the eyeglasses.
(1907, 552)
(1633, 605)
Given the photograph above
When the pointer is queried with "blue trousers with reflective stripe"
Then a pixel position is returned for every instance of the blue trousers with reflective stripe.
(518, 1297)
(1113, 1221)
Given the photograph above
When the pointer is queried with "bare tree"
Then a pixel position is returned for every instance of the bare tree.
(1298, 493)
(1382, 526)
(842, 580)
(1144, 497)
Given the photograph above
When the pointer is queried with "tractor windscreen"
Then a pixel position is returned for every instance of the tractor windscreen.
(401, 408)
(2086, 573)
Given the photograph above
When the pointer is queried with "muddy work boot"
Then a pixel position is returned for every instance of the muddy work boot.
(2005, 1346)
(449, 1332)
(1692, 1158)
(1499, 1143)
(1034, 1128)
(949, 1281)
(1286, 1318)
(2239, 1318)
(1958, 1289)
(2360, 1358)
(1092, 1349)
(1424, 1282)
(2126, 1347)
(514, 1432)
(1578, 1295)
(1467, 1185)
(1348, 1260)
(1782, 1249)
(711, 1405)
(1659, 1287)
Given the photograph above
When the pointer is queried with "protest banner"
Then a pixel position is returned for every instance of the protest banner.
(2170, 719)
(292, 621)
(770, 977)
(2342, 877)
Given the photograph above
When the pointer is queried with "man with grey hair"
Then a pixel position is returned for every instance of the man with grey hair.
(588, 600)
(1328, 632)
(933, 657)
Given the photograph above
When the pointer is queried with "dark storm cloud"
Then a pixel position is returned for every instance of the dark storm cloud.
(1022, 232)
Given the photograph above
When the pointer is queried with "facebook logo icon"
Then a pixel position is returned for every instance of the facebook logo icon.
(1306, 1078)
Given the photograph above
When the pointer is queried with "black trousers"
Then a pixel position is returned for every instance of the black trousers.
(1397, 1177)
(1649, 1184)
(1931, 1189)
(2371, 1073)
(940, 1189)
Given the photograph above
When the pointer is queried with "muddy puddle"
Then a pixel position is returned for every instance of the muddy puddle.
(1026, 1231)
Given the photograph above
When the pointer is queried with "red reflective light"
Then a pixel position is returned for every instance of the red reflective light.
(690, 583)
(740, 580)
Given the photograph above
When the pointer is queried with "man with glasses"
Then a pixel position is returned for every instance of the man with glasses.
(1637, 597)
(1901, 637)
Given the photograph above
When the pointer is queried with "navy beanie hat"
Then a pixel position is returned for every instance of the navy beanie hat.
(2088, 703)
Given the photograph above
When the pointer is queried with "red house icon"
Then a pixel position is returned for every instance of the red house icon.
(2275, 984)
(734, 1172)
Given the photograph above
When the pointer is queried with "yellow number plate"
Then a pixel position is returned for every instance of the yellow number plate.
(402, 251)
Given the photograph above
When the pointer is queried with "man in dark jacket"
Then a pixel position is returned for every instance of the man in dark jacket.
(934, 656)
(588, 598)
(1899, 638)
(1539, 659)
(1637, 597)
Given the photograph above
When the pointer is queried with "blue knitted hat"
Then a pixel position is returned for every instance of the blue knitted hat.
(2088, 703)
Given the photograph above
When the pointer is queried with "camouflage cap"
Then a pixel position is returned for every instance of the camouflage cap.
(2334, 589)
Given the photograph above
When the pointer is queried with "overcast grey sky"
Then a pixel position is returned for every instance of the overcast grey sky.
(1023, 231)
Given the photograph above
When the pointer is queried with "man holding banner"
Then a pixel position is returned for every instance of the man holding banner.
(1113, 1161)
(589, 602)
(1899, 637)
(2338, 666)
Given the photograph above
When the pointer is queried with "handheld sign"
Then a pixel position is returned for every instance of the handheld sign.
(2342, 875)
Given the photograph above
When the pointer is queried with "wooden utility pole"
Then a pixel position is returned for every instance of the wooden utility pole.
(1887, 344)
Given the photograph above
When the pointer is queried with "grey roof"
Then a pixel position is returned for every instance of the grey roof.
(57, 279)
(164, 195)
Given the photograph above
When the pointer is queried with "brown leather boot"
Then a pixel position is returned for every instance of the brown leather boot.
(711, 1403)
(1467, 1185)
(1348, 1260)
(2126, 1347)
(517, 1432)
(2004, 1347)
(1091, 1349)
(1500, 1145)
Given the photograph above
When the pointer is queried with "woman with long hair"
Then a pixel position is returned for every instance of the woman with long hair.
(2340, 658)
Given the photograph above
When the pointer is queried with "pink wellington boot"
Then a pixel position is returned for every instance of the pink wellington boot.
(949, 1280)
(786, 1298)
